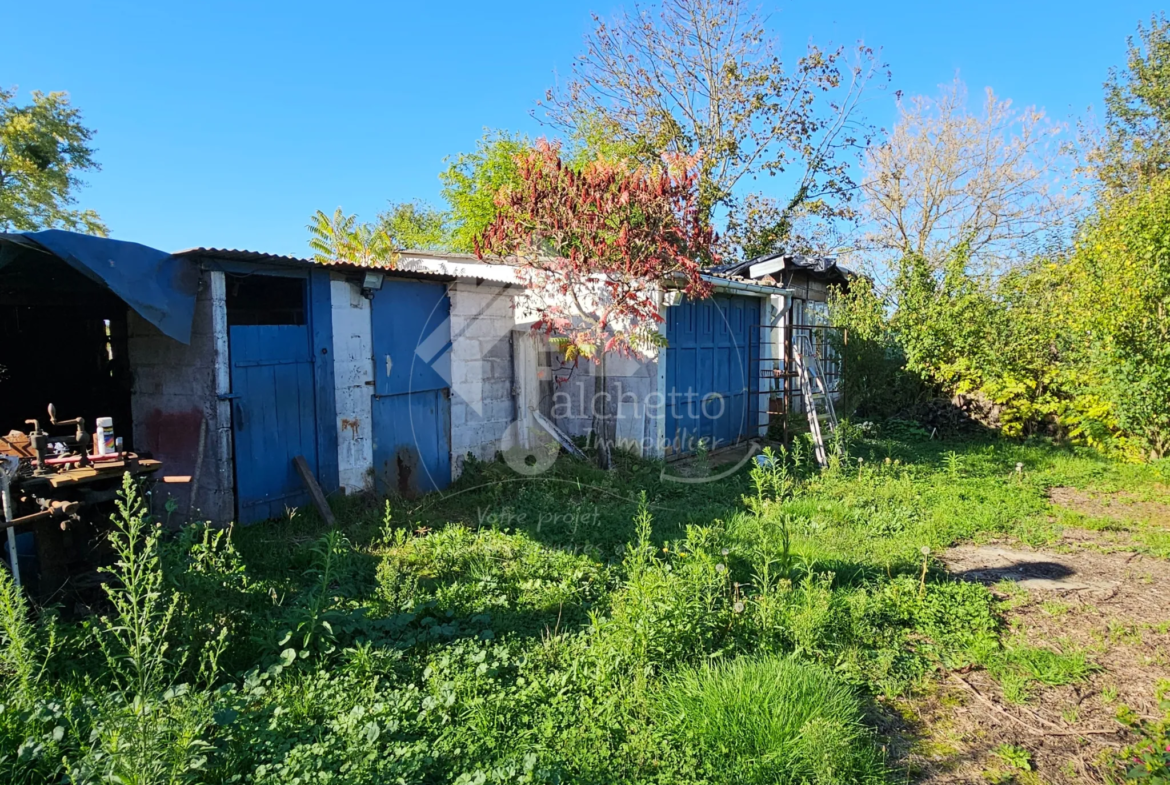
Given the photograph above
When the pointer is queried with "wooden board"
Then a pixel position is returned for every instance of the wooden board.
(17, 444)
(108, 470)
(315, 492)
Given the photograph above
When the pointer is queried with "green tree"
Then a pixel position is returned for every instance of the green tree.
(472, 181)
(44, 148)
(1121, 309)
(1136, 140)
(416, 226)
(706, 76)
(340, 239)
(875, 381)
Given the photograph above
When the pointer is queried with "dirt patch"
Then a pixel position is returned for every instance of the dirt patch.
(1121, 506)
(1112, 605)
(1031, 569)
(1124, 584)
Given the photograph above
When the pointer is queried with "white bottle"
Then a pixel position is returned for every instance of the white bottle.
(105, 436)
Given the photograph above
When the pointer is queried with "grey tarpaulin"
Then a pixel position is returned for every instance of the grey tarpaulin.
(160, 287)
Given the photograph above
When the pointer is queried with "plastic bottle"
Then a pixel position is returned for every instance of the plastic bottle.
(105, 435)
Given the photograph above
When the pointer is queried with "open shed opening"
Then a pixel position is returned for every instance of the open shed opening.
(62, 341)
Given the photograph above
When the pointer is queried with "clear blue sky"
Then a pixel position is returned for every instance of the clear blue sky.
(228, 124)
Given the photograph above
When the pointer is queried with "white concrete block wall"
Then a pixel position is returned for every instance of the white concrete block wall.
(353, 369)
(634, 385)
(482, 405)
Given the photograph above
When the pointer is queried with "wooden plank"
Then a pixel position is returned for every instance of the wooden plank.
(224, 460)
(314, 489)
(325, 419)
(106, 471)
(16, 444)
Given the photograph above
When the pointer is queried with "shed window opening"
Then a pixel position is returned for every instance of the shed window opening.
(265, 300)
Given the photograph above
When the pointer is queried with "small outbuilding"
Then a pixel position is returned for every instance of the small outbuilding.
(232, 366)
(811, 280)
(227, 365)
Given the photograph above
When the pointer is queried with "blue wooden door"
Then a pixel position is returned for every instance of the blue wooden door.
(412, 387)
(273, 418)
(710, 382)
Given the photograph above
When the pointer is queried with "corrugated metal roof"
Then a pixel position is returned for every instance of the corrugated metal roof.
(458, 266)
(449, 266)
(409, 263)
(237, 255)
(739, 282)
(824, 268)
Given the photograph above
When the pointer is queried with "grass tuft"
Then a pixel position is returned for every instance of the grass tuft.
(771, 720)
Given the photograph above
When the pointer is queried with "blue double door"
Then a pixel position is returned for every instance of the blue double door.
(711, 368)
(412, 387)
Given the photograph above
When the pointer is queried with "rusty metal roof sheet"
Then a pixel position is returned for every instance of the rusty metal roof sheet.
(823, 268)
(238, 255)
(409, 263)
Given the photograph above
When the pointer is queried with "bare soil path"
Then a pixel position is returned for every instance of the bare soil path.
(1094, 592)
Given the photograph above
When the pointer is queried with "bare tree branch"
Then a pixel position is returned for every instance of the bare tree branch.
(946, 177)
(704, 77)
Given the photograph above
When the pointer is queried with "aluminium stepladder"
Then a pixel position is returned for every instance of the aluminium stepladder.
(813, 390)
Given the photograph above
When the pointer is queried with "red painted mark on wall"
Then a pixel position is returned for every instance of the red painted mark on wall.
(173, 438)
(350, 425)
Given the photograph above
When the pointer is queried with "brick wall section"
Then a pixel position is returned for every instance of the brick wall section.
(173, 402)
(352, 370)
(482, 406)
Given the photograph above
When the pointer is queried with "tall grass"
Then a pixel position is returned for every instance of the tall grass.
(25, 647)
(772, 720)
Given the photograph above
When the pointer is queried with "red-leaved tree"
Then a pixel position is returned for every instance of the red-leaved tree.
(595, 246)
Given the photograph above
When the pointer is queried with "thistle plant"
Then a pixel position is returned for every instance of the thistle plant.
(134, 638)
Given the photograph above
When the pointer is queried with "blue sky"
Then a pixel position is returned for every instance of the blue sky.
(227, 124)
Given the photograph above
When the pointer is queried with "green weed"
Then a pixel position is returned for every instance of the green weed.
(1019, 667)
(1014, 756)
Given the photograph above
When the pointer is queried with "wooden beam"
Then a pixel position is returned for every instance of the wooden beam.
(314, 489)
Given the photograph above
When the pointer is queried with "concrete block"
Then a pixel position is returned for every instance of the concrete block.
(496, 348)
(498, 410)
(459, 414)
(497, 388)
(464, 348)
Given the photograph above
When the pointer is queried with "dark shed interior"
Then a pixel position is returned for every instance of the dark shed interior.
(62, 341)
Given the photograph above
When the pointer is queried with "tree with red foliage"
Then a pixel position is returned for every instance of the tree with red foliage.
(595, 246)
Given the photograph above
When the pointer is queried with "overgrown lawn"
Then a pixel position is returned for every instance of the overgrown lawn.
(579, 626)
